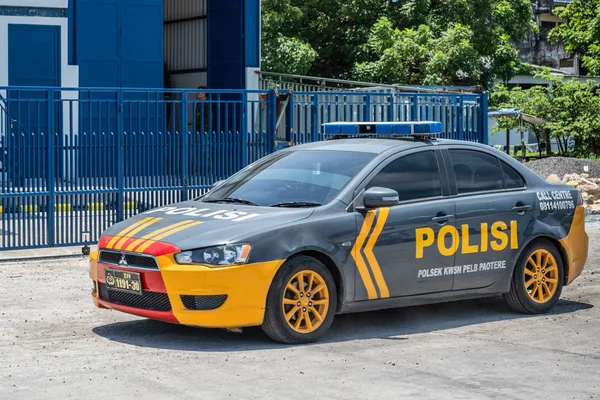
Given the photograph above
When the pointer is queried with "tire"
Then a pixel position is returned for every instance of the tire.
(538, 290)
(300, 328)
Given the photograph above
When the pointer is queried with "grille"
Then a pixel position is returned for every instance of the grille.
(148, 300)
(133, 260)
(203, 302)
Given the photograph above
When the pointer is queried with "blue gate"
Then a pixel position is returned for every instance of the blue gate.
(103, 155)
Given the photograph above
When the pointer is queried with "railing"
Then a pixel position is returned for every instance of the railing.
(78, 160)
(305, 83)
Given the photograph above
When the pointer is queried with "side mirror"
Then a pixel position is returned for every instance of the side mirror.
(215, 184)
(380, 197)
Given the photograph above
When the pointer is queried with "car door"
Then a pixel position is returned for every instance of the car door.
(397, 252)
(494, 212)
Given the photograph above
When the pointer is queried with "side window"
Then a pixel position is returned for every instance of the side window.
(414, 176)
(476, 171)
(512, 178)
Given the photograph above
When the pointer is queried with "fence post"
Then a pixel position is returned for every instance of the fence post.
(185, 151)
(483, 134)
(391, 109)
(120, 157)
(51, 177)
(289, 127)
(459, 118)
(244, 131)
(414, 110)
(315, 118)
(272, 121)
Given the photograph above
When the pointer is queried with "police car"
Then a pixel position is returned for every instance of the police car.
(377, 216)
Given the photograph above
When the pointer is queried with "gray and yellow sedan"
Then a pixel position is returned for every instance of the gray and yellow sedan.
(378, 216)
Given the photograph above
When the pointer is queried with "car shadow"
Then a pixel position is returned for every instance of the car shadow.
(391, 324)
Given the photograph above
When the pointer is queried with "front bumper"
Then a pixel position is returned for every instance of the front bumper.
(195, 295)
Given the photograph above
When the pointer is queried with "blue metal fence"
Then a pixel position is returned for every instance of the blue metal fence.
(76, 160)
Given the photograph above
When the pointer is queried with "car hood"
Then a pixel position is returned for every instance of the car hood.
(193, 224)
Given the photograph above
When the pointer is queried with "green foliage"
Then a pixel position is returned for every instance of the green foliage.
(571, 107)
(534, 101)
(581, 32)
(281, 53)
(388, 41)
(575, 112)
(461, 42)
(402, 53)
(288, 55)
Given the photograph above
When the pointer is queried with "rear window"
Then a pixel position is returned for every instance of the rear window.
(512, 178)
(476, 171)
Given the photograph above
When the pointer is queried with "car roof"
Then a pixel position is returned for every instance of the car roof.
(378, 145)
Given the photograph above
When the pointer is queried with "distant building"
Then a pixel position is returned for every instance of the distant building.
(537, 50)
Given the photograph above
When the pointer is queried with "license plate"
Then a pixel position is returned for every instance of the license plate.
(128, 282)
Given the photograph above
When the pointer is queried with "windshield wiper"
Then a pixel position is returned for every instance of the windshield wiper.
(296, 204)
(232, 200)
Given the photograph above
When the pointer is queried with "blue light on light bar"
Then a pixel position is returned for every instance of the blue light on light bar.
(382, 128)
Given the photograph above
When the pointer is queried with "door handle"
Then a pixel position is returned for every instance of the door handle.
(522, 208)
(442, 218)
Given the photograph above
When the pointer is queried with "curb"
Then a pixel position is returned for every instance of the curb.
(43, 253)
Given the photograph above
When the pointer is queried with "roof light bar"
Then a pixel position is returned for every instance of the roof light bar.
(417, 128)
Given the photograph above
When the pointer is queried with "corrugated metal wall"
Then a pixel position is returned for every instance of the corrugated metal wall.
(185, 35)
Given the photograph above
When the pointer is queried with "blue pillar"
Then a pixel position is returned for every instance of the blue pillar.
(252, 33)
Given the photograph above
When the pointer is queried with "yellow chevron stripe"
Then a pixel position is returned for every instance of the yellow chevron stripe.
(148, 243)
(360, 262)
(125, 231)
(381, 219)
(136, 243)
(168, 228)
(136, 230)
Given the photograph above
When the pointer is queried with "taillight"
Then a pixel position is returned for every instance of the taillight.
(579, 198)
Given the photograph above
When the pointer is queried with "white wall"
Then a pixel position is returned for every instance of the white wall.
(35, 3)
(515, 136)
(69, 73)
(253, 83)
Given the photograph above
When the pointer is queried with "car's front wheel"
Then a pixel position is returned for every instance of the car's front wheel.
(537, 279)
(301, 303)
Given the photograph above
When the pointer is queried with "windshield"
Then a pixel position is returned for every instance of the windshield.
(297, 178)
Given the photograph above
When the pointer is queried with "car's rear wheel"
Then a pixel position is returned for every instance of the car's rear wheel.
(301, 302)
(537, 279)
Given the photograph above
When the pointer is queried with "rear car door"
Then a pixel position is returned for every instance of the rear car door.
(397, 252)
(494, 213)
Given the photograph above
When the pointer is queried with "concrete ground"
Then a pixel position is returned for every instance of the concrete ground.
(55, 345)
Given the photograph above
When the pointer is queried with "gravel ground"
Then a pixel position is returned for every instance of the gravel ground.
(564, 165)
(55, 345)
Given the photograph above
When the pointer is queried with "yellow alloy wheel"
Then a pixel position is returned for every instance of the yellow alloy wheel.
(541, 276)
(305, 301)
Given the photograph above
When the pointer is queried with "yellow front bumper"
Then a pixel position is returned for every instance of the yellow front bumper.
(246, 288)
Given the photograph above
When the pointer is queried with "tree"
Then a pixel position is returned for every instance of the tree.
(447, 42)
(581, 32)
(318, 37)
(534, 101)
(575, 113)
(281, 53)
(396, 41)
(571, 107)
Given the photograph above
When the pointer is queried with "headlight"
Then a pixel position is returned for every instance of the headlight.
(219, 255)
